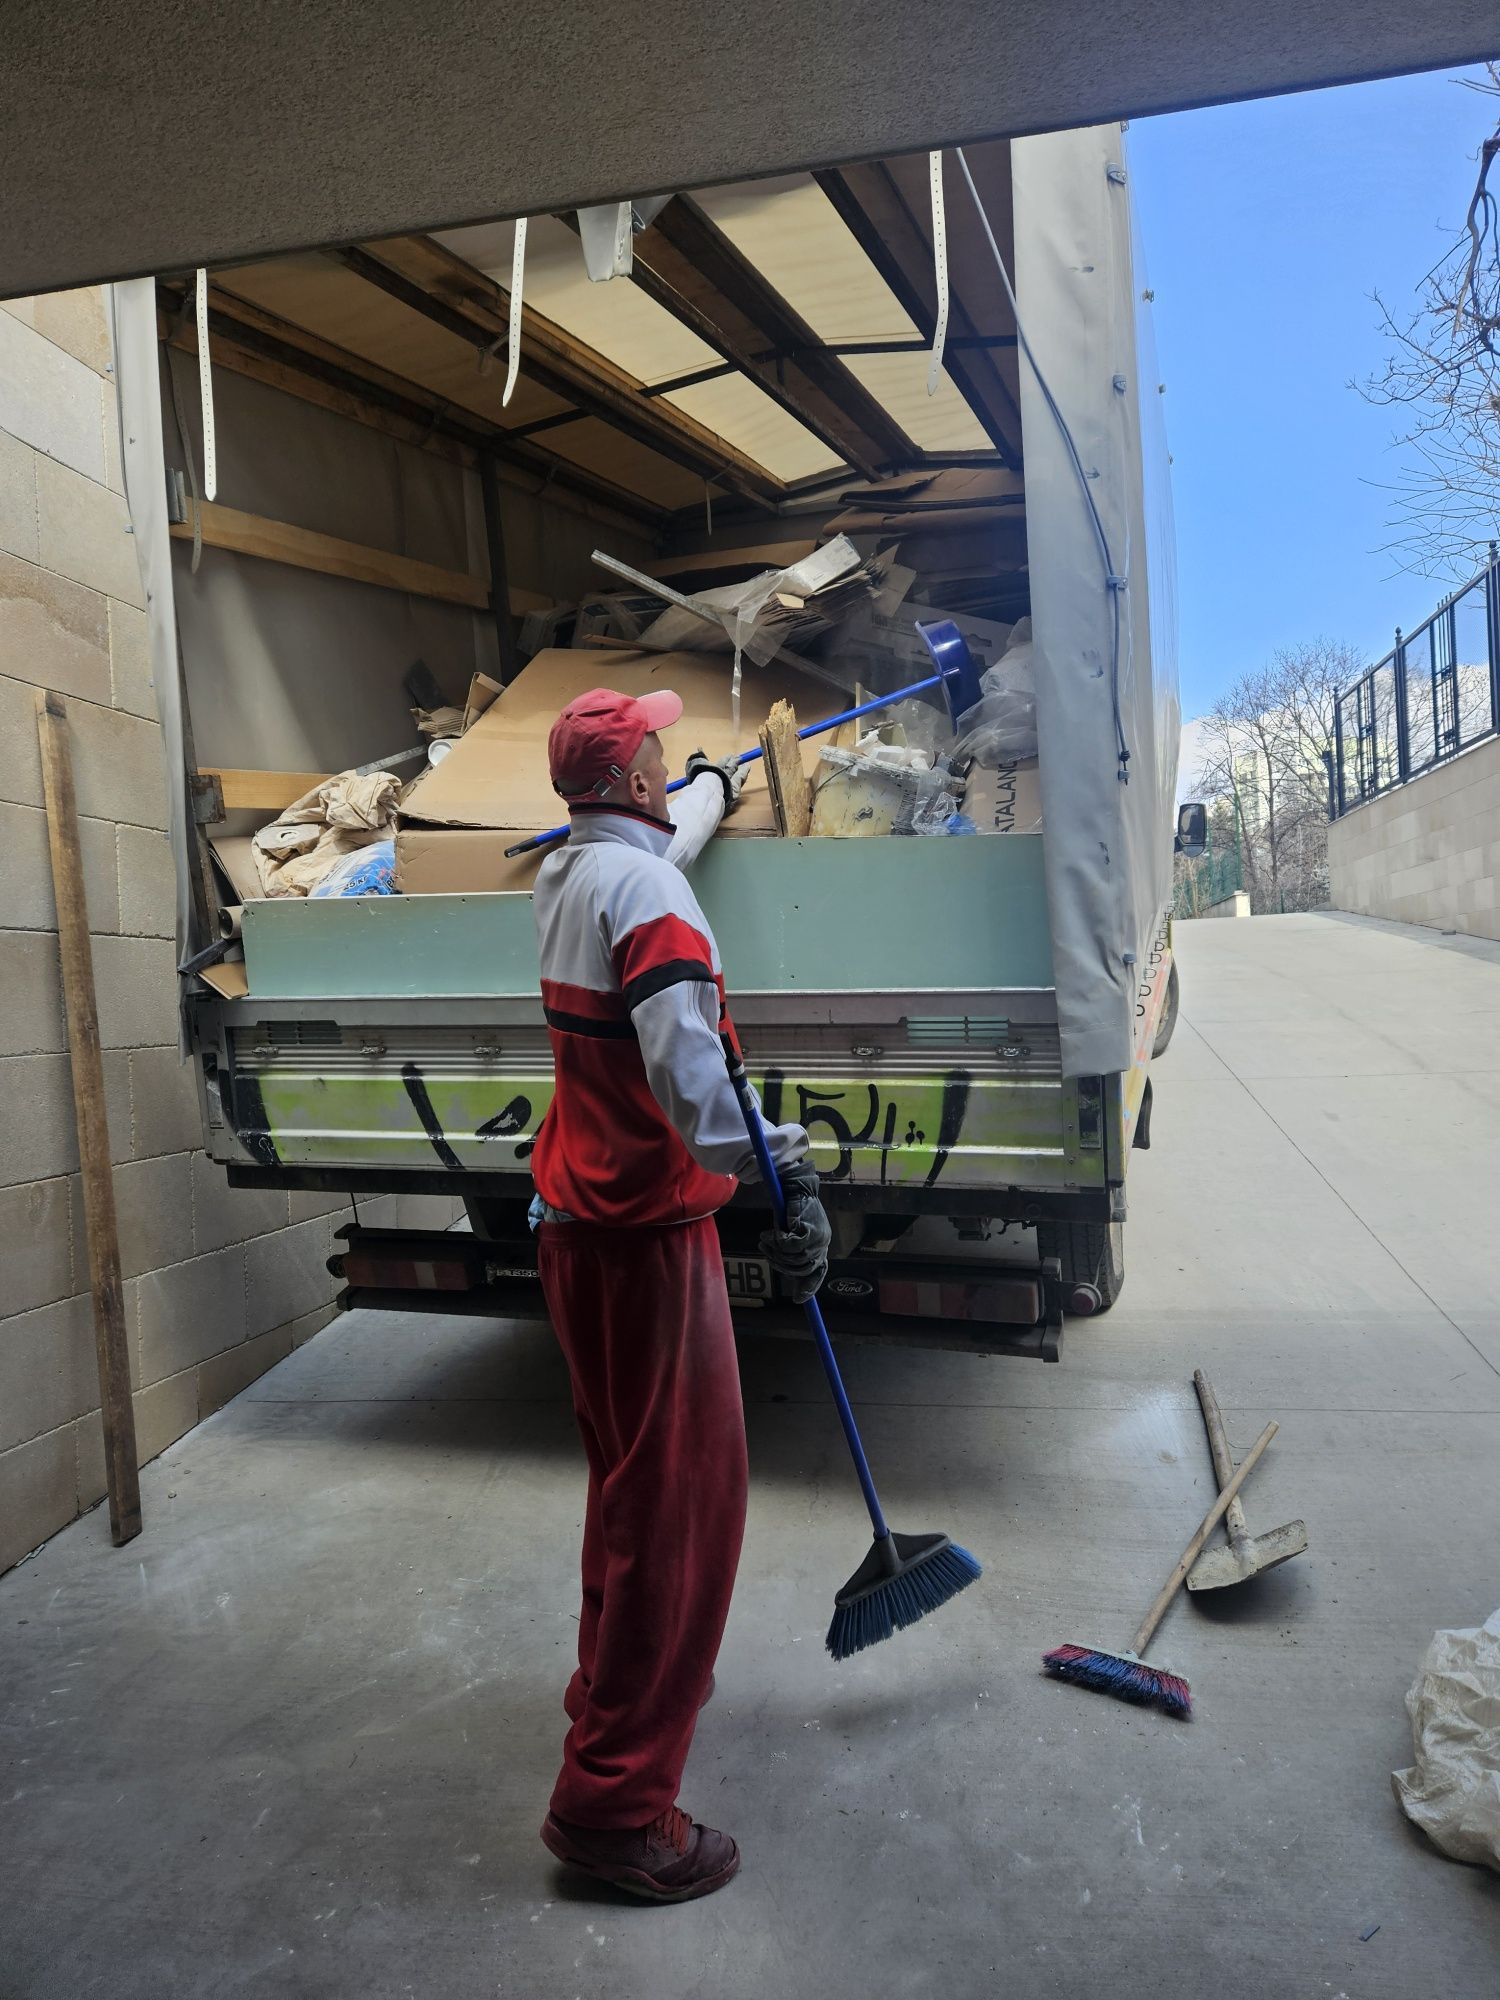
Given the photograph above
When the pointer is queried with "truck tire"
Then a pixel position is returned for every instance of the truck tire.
(1168, 1017)
(1092, 1255)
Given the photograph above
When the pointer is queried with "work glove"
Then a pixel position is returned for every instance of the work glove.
(799, 1253)
(730, 773)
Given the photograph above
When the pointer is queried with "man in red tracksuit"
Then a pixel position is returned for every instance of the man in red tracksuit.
(643, 1142)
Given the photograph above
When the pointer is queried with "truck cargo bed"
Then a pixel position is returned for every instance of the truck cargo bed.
(406, 1034)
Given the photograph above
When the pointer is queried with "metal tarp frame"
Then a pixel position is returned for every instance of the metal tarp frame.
(132, 310)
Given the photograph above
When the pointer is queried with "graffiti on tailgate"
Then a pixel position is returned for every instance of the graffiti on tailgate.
(913, 1123)
(905, 1131)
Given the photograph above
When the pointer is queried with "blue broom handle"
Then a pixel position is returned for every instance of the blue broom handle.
(772, 1180)
(752, 756)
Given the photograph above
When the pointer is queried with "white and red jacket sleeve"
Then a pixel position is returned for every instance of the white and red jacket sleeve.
(667, 967)
(696, 812)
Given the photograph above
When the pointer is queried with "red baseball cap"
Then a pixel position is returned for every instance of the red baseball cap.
(594, 739)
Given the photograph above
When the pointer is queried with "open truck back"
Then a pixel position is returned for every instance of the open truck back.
(964, 1023)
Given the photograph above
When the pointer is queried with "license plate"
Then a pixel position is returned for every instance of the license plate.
(748, 1280)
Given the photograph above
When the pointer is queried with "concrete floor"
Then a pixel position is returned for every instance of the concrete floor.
(297, 1740)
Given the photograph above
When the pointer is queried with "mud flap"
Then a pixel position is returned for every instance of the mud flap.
(1142, 1136)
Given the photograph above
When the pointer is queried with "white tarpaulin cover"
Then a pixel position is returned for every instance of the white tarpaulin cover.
(1109, 843)
(1452, 1791)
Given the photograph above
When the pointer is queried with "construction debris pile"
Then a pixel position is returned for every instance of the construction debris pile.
(800, 629)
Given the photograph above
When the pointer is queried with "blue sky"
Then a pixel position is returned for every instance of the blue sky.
(1267, 226)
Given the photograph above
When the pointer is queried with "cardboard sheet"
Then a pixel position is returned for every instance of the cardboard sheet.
(693, 572)
(236, 861)
(492, 789)
(893, 506)
(1005, 801)
(482, 691)
(458, 860)
(496, 775)
(228, 979)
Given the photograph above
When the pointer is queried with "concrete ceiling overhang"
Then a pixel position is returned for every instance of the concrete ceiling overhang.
(155, 137)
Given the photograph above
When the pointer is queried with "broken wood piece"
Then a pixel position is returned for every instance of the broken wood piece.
(789, 785)
(121, 1467)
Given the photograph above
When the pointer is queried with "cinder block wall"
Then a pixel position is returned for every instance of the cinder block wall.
(219, 1284)
(1428, 852)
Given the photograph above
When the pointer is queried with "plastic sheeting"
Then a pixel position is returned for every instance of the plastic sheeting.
(369, 871)
(1001, 726)
(1452, 1791)
(1109, 843)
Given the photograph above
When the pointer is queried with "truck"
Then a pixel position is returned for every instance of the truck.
(341, 462)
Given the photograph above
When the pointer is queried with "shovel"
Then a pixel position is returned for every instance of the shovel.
(1244, 1555)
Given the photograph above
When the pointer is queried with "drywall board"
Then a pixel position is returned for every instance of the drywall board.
(965, 913)
(167, 135)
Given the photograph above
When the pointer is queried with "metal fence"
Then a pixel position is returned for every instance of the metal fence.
(1434, 695)
(1213, 877)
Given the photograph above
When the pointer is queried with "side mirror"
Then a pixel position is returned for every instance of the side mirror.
(1192, 831)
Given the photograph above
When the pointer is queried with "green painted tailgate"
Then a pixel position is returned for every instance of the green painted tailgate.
(965, 912)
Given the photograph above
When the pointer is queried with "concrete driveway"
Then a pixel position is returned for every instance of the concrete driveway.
(298, 1738)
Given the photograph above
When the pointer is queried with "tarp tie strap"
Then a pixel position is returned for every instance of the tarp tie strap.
(517, 274)
(206, 393)
(940, 271)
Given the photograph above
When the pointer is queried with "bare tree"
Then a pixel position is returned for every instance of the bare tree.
(1266, 740)
(1444, 375)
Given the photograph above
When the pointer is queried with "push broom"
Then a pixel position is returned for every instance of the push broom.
(904, 1576)
(1126, 1674)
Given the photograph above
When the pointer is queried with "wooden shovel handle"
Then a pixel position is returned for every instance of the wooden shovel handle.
(1218, 1445)
(1206, 1527)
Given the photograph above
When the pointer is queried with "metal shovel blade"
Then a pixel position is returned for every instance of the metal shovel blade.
(1247, 1556)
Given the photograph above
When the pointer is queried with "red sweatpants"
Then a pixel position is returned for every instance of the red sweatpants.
(643, 1319)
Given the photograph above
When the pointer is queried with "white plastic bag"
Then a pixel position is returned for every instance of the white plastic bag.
(1001, 726)
(1452, 1791)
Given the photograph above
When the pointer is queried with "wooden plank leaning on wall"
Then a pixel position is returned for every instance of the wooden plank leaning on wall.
(122, 1474)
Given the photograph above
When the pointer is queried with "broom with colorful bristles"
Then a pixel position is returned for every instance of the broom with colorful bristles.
(904, 1576)
(1126, 1674)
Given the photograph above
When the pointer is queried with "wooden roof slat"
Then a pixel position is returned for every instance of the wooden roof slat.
(687, 264)
(430, 279)
(279, 351)
(257, 352)
(873, 207)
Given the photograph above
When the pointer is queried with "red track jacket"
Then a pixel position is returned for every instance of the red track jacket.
(644, 1126)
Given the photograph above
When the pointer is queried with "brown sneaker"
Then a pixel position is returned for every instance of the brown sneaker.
(670, 1861)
